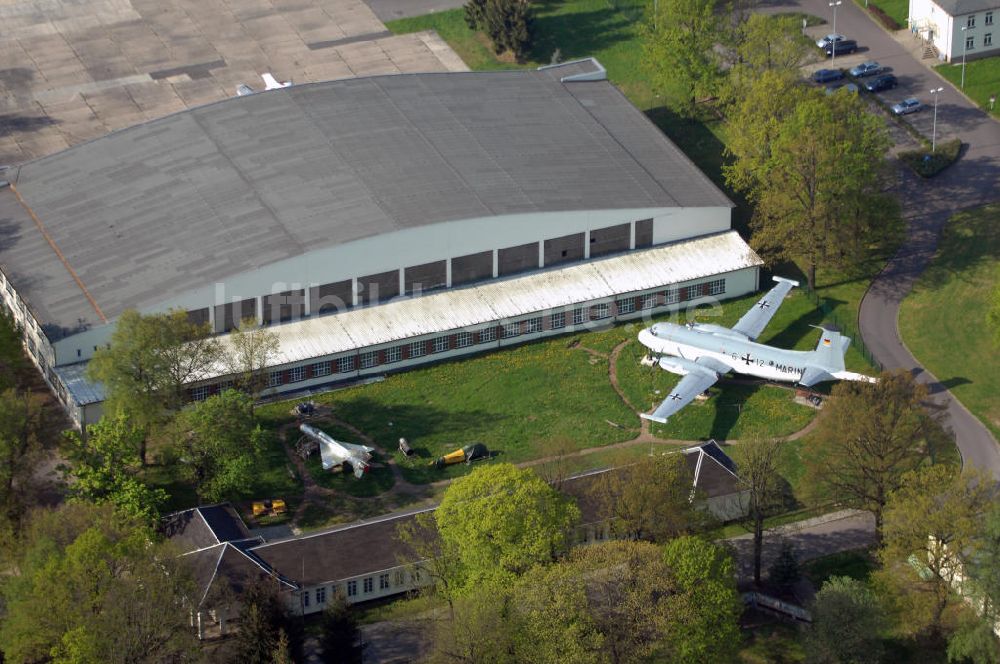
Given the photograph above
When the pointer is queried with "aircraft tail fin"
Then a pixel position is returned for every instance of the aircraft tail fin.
(830, 350)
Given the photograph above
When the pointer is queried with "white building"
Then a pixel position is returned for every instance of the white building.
(375, 223)
(957, 27)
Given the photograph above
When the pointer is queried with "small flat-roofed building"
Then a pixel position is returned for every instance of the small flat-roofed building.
(375, 223)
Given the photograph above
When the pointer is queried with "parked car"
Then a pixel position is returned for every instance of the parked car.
(829, 39)
(827, 75)
(883, 82)
(843, 47)
(850, 87)
(907, 106)
(869, 68)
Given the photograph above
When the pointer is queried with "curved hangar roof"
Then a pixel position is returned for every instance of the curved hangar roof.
(170, 205)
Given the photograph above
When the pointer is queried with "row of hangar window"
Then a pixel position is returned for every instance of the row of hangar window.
(353, 589)
(554, 321)
(371, 289)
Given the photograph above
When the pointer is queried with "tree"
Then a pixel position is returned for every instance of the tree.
(265, 627)
(650, 499)
(931, 532)
(847, 621)
(252, 348)
(148, 363)
(785, 572)
(761, 488)
(89, 586)
(340, 639)
(103, 469)
(819, 195)
(974, 642)
(220, 444)
(20, 420)
(993, 315)
(282, 650)
(12, 360)
(704, 624)
(985, 570)
(498, 522)
(508, 24)
(768, 42)
(678, 47)
(869, 435)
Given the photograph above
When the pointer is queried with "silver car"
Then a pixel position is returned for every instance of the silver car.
(869, 68)
(829, 39)
(907, 106)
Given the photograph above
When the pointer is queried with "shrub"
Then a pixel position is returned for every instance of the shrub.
(927, 164)
(888, 22)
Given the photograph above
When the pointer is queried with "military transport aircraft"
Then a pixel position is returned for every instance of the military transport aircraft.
(335, 453)
(701, 353)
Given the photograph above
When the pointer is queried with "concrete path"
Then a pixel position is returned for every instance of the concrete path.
(928, 204)
(390, 10)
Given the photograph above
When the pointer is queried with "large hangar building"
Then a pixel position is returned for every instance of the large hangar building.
(375, 223)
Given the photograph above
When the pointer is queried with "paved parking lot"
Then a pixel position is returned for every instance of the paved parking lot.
(72, 70)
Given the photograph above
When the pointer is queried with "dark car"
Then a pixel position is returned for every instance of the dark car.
(884, 82)
(843, 47)
(827, 75)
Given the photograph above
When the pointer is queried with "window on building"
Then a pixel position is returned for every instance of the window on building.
(717, 287)
(295, 374)
(578, 317)
(305, 598)
(442, 344)
(988, 19)
(200, 393)
(649, 301)
(626, 306)
(557, 321)
(321, 369)
(533, 325)
(369, 584)
(418, 349)
(671, 296)
(345, 364)
(369, 359)
(988, 39)
(487, 334)
(226, 385)
(971, 21)
(352, 588)
(383, 581)
(397, 578)
(321, 595)
(970, 43)
(511, 330)
(599, 311)
(394, 354)
(463, 339)
(274, 379)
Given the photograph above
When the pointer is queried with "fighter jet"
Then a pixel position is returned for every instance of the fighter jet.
(335, 453)
(701, 353)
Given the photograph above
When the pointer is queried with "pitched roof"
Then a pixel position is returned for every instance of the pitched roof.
(714, 471)
(155, 210)
(961, 7)
(226, 567)
(204, 526)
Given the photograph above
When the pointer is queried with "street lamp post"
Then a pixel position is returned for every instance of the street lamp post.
(965, 50)
(833, 46)
(935, 92)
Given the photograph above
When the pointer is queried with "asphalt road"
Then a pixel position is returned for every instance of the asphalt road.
(973, 181)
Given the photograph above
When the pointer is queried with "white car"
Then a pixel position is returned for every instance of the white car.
(829, 39)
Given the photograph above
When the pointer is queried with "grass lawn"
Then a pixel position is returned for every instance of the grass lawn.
(943, 321)
(982, 79)
(555, 396)
(773, 643)
(855, 564)
(899, 10)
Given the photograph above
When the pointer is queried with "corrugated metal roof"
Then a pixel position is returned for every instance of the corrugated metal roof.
(80, 389)
(503, 299)
(156, 210)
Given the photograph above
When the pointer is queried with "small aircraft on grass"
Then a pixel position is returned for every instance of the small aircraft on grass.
(335, 453)
(701, 353)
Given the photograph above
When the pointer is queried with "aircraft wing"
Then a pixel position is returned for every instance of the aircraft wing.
(755, 320)
(690, 386)
(332, 455)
